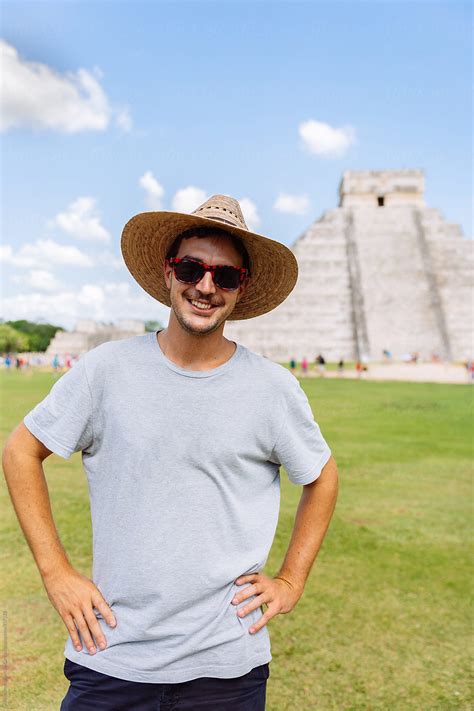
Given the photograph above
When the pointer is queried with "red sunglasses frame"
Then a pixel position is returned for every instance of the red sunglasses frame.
(208, 268)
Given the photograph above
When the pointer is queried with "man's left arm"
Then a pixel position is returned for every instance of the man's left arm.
(313, 516)
(282, 592)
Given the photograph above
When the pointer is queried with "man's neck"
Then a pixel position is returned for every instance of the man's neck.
(194, 352)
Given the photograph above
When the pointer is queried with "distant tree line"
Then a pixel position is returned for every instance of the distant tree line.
(153, 325)
(25, 336)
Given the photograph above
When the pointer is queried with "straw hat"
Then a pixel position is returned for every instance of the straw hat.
(147, 237)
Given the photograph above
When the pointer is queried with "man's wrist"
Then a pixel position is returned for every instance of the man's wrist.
(51, 568)
(291, 581)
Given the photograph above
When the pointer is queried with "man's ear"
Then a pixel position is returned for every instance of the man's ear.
(242, 288)
(167, 268)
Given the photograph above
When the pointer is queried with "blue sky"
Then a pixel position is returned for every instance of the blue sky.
(114, 108)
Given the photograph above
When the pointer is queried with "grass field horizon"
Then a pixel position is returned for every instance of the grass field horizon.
(385, 620)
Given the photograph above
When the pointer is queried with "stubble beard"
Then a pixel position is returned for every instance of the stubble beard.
(178, 307)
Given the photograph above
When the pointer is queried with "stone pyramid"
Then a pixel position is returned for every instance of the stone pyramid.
(381, 271)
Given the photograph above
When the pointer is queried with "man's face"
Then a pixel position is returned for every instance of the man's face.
(210, 250)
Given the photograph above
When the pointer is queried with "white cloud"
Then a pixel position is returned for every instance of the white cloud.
(107, 302)
(82, 220)
(37, 279)
(109, 259)
(188, 199)
(33, 95)
(46, 252)
(249, 210)
(124, 120)
(292, 204)
(323, 139)
(93, 296)
(154, 191)
(43, 254)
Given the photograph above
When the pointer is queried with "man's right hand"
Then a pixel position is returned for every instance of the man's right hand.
(74, 596)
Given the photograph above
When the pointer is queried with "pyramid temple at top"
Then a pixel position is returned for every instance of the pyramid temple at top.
(380, 272)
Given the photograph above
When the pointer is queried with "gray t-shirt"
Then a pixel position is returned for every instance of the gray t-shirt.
(184, 485)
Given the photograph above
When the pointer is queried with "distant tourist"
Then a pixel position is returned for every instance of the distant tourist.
(340, 367)
(469, 365)
(293, 365)
(25, 363)
(320, 365)
(8, 362)
(387, 354)
(304, 366)
(364, 364)
(55, 363)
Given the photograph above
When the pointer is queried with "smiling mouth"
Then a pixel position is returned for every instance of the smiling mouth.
(201, 306)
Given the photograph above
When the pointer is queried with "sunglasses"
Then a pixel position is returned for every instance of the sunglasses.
(190, 271)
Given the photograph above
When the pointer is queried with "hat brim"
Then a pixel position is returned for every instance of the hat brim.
(147, 237)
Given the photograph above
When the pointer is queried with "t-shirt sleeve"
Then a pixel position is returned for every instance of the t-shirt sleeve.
(300, 446)
(62, 421)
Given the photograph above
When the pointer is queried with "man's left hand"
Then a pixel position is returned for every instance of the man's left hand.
(279, 595)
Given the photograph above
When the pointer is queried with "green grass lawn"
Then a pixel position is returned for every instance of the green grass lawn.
(385, 620)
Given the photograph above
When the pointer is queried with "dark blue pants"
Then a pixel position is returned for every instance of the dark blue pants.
(91, 690)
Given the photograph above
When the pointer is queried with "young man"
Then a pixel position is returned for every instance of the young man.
(182, 434)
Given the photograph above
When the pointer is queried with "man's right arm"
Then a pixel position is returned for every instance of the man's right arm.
(23, 458)
(72, 594)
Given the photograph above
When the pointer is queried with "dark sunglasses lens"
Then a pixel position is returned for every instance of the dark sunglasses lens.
(227, 277)
(189, 272)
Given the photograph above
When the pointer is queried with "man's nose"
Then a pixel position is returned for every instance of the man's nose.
(206, 285)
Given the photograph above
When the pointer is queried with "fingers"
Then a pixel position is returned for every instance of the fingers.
(71, 628)
(93, 625)
(258, 586)
(256, 603)
(82, 623)
(76, 623)
(245, 594)
(246, 578)
(267, 615)
(272, 610)
(89, 625)
(75, 597)
(265, 591)
(89, 628)
(104, 609)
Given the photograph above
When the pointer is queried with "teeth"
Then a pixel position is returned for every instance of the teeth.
(204, 307)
